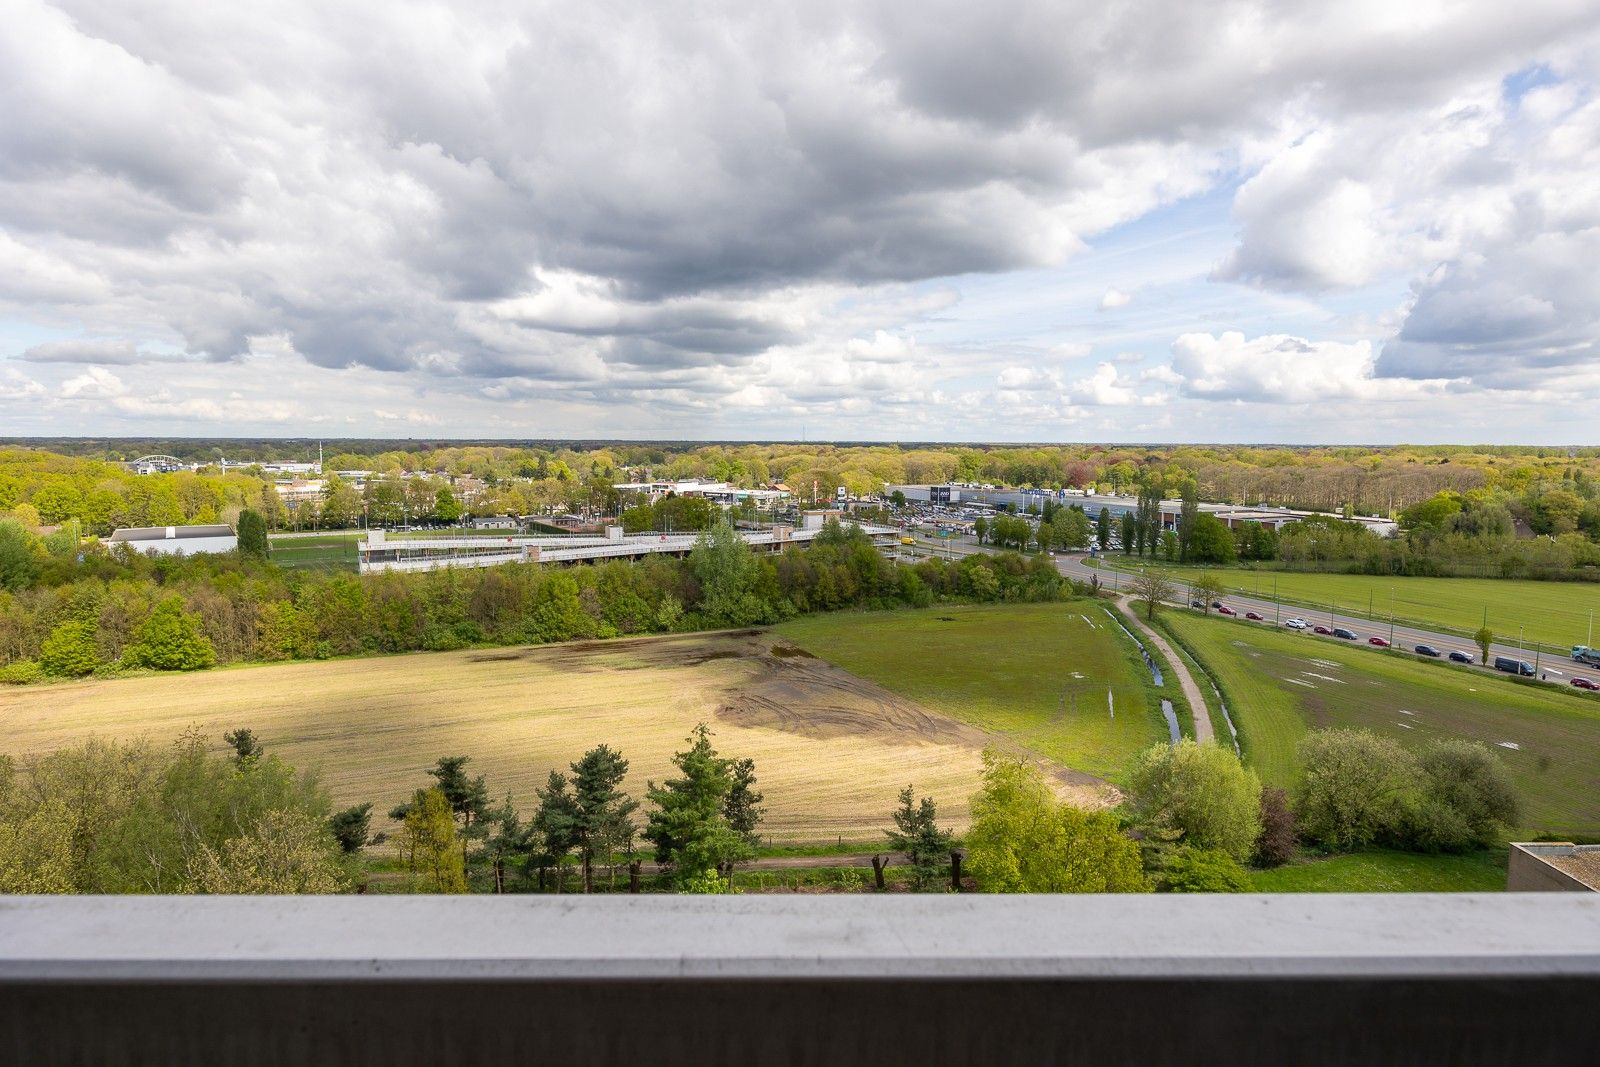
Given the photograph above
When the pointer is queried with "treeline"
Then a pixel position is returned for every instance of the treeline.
(101, 817)
(117, 611)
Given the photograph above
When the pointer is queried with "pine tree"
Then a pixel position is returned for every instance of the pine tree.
(916, 833)
(602, 812)
(689, 826)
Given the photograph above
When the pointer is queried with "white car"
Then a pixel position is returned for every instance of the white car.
(1296, 624)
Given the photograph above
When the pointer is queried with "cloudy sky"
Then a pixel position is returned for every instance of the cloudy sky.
(1163, 221)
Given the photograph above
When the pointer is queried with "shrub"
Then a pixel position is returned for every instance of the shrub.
(69, 651)
(21, 672)
(1468, 799)
(1198, 794)
(170, 640)
(1358, 788)
(1276, 845)
(1203, 870)
(1023, 840)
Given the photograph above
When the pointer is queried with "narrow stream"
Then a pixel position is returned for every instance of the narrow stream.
(1167, 711)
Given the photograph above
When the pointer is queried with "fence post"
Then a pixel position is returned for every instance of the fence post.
(633, 876)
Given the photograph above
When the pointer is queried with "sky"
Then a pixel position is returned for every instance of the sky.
(1362, 222)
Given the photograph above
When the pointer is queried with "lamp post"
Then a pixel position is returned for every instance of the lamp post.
(1391, 616)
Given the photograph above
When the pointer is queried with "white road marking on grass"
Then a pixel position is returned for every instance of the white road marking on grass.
(1403, 725)
(1076, 675)
(1326, 663)
(1301, 681)
(1324, 677)
(1403, 711)
(1509, 744)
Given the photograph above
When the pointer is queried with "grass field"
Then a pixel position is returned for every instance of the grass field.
(1556, 613)
(1038, 674)
(1280, 684)
(831, 750)
(331, 552)
(1388, 872)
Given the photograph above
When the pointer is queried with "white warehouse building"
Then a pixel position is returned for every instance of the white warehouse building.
(176, 540)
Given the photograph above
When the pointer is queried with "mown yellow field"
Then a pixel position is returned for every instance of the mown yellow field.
(831, 750)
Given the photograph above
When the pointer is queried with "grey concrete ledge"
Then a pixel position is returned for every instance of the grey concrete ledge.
(568, 938)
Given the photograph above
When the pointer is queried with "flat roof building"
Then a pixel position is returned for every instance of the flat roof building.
(176, 540)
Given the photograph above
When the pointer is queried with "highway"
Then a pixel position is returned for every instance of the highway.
(1558, 667)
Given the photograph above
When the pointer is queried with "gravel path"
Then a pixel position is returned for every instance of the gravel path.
(1191, 691)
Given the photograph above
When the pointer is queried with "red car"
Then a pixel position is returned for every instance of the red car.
(1584, 683)
(1225, 610)
(1255, 616)
(1381, 642)
(1323, 630)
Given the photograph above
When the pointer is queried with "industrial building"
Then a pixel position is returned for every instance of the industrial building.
(379, 553)
(176, 540)
(1021, 500)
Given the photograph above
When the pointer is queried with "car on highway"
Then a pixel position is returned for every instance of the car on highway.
(1586, 683)
(1427, 650)
(1217, 604)
(1344, 635)
(1459, 657)
(1323, 630)
(1296, 624)
(1223, 609)
(1255, 616)
(1511, 665)
(1197, 604)
(1378, 642)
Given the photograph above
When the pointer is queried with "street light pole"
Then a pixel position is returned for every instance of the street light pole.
(1391, 616)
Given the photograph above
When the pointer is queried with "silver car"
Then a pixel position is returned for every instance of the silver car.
(1296, 624)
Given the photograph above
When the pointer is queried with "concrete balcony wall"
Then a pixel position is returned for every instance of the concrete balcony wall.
(1461, 979)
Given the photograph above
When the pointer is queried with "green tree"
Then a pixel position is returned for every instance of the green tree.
(1128, 532)
(980, 527)
(1188, 511)
(428, 842)
(20, 556)
(70, 651)
(555, 823)
(726, 571)
(351, 827)
(742, 806)
(246, 746)
(1485, 639)
(1199, 794)
(445, 506)
(1210, 540)
(252, 531)
(688, 825)
(916, 833)
(1023, 840)
(1207, 589)
(170, 640)
(1102, 529)
(1152, 586)
(468, 797)
(288, 852)
(602, 812)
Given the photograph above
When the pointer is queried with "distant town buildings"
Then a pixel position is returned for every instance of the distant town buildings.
(716, 492)
(984, 497)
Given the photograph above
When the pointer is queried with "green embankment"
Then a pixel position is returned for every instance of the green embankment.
(1280, 684)
(1037, 673)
